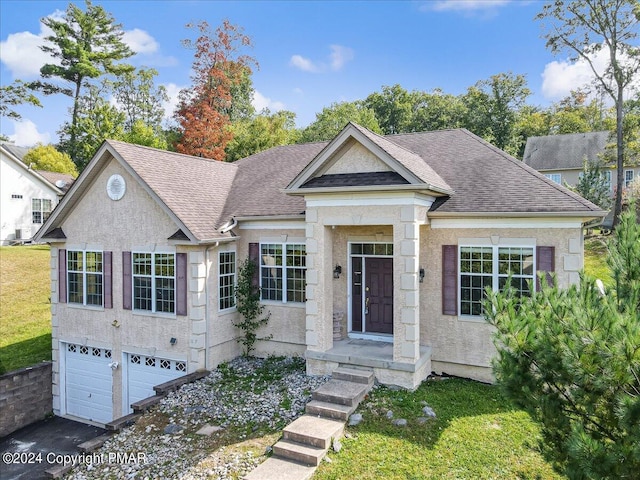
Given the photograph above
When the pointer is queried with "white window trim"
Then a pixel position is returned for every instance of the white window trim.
(235, 279)
(284, 268)
(41, 210)
(495, 276)
(628, 182)
(551, 176)
(153, 282)
(84, 277)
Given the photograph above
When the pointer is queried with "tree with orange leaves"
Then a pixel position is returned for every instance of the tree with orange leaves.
(205, 110)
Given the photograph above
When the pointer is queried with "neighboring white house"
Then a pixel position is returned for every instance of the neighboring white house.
(372, 251)
(561, 158)
(27, 197)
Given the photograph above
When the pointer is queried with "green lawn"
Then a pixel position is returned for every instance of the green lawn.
(25, 315)
(595, 251)
(477, 434)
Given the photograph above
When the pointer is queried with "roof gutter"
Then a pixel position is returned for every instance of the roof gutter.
(583, 214)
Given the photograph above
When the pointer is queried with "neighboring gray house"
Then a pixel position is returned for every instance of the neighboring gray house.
(561, 157)
(27, 196)
(372, 251)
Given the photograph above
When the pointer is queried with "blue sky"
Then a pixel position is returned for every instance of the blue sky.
(311, 53)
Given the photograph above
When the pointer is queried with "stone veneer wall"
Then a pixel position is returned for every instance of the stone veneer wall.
(25, 397)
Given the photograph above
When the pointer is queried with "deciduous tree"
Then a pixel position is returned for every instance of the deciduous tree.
(335, 117)
(46, 157)
(204, 110)
(587, 28)
(260, 133)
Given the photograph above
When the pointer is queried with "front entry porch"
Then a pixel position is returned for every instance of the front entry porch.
(374, 355)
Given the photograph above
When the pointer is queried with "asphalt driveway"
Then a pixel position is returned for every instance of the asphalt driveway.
(28, 452)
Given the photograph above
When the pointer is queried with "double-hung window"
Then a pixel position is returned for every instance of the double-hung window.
(283, 271)
(40, 210)
(628, 178)
(154, 282)
(226, 280)
(85, 278)
(491, 266)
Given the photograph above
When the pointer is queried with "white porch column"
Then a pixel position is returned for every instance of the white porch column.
(319, 304)
(406, 321)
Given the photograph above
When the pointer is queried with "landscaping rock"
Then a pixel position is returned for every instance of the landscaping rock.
(173, 429)
(389, 414)
(428, 411)
(400, 422)
(355, 419)
(337, 446)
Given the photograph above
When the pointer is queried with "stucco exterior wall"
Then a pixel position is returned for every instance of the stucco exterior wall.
(135, 222)
(357, 159)
(460, 344)
(286, 324)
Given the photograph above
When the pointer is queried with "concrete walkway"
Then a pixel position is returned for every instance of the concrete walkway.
(305, 441)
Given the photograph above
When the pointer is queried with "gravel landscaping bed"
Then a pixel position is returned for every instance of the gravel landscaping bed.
(249, 399)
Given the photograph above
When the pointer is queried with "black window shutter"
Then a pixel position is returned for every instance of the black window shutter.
(254, 256)
(108, 285)
(126, 280)
(546, 262)
(62, 275)
(449, 279)
(181, 283)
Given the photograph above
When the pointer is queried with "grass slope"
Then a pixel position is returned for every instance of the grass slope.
(476, 435)
(25, 310)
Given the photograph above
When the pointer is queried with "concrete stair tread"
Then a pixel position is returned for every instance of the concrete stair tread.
(299, 452)
(356, 375)
(341, 391)
(312, 430)
(329, 409)
(280, 469)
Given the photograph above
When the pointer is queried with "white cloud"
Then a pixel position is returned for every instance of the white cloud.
(260, 102)
(303, 64)
(140, 41)
(22, 55)
(21, 52)
(173, 91)
(338, 58)
(27, 135)
(464, 5)
(559, 78)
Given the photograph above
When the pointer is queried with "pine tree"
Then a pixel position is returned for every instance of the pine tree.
(571, 359)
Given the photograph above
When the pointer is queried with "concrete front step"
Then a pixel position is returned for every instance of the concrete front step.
(275, 468)
(356, 375)
(314, 431)
(341, 392)
(329, 410)
(299, 452)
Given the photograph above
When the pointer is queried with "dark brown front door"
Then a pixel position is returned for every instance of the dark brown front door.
(373, 298)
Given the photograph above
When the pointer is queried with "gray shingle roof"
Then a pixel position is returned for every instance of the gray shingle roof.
(356, 180)
(204, 194)
(407, 158)
(193, 188)
(486, 179)
(558, 152)
(61, 180)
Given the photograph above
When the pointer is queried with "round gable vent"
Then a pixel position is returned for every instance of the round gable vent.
(116, 187)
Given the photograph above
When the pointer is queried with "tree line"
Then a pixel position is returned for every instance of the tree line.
(215, 117)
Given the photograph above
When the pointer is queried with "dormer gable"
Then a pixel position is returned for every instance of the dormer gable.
(358, 159)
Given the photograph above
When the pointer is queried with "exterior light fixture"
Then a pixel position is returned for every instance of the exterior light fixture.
(337, 271)
(173, 340)
(421, 273)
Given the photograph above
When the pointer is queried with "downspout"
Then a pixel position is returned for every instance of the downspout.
(206, 304)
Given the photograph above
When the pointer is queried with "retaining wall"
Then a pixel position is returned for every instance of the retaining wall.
(25, 397)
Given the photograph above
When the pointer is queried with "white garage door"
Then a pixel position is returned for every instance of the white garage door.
(144, 373)
(88, 382)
